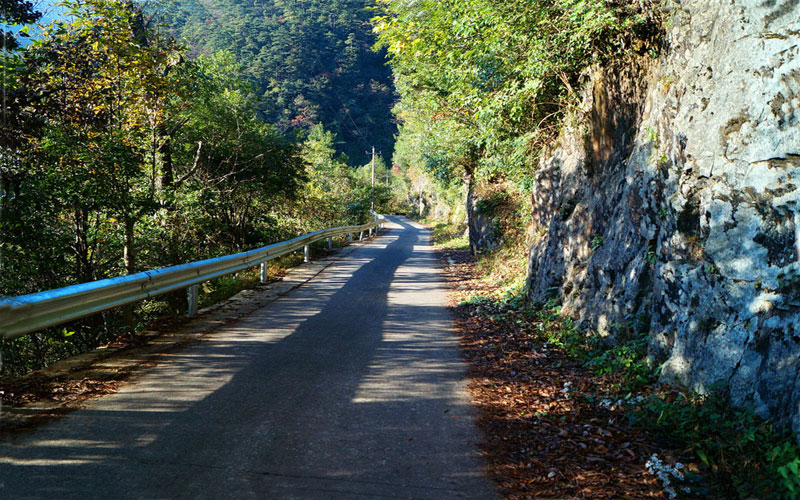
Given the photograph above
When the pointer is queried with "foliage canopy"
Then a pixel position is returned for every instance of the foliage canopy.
(485, 84)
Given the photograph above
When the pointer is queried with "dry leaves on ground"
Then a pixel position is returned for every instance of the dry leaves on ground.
(543, 439)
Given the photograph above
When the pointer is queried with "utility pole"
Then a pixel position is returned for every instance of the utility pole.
(373, 176)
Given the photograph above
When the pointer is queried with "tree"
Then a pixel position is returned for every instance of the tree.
(13, 13)
(234, 161)
(328, 194)
(505, 72)
(124, 154)
(100, 83)
(485, 84)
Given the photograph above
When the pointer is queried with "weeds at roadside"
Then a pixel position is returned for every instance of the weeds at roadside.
(448, 235)
(732, 452)
(25, 354)
(739, 454)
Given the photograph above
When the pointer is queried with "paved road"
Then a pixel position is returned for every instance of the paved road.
(350, 387)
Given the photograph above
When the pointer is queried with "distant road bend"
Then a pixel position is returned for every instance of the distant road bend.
(349, 387)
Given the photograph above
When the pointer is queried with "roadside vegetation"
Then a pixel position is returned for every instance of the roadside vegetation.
(131, 141)
(568, 414)
(310, 62)
(485, 86)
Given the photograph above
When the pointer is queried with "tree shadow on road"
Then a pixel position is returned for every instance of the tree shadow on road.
(359, 399)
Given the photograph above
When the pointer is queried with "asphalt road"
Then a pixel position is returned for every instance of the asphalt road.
(350, 387)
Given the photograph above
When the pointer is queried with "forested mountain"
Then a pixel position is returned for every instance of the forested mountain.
(311, 61)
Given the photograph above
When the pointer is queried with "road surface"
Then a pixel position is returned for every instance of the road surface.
(349, 387)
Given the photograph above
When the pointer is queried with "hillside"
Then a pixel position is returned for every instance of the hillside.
(613, 188)
(311, 63)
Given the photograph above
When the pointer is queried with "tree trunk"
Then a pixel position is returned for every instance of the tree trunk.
(167, 179)
(130, 249)
(129, 255)
(83, 267)
(473, 233)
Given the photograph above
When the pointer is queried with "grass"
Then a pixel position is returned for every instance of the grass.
(448, 235)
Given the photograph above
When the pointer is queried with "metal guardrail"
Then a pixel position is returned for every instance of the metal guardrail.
(29, 313)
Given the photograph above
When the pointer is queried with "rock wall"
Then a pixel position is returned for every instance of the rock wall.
(482, 230)
(673, 205)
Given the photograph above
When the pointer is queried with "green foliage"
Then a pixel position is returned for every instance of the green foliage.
(597, 242)
(502, 72)
(15, 14)
(743, 456)
(485, 85)
(228, 164)
(738, 454)
(449, 235)
(626, 362)
(311, 64)
(222, 288)
(122, 155)
(622, 362)
(489, 205)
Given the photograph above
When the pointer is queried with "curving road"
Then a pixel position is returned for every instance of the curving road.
(349, 387)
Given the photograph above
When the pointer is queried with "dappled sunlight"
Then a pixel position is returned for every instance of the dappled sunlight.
(412, 362)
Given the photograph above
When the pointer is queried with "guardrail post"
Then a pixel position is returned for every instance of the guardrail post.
(330, 243)
(305, 253)
(263, 272)
(361, 236)
(192, 300)
(370, 232)
(350, 237)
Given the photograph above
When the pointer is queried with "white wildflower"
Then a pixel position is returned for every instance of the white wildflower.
(665, 473)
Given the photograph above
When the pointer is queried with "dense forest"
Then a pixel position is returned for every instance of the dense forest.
(123, 149)
(311, 62)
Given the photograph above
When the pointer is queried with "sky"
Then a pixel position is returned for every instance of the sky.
(50, 11)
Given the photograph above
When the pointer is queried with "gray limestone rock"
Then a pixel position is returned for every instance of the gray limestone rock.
(674, 205)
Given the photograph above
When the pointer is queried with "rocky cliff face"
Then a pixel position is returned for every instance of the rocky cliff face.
(674, 206)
